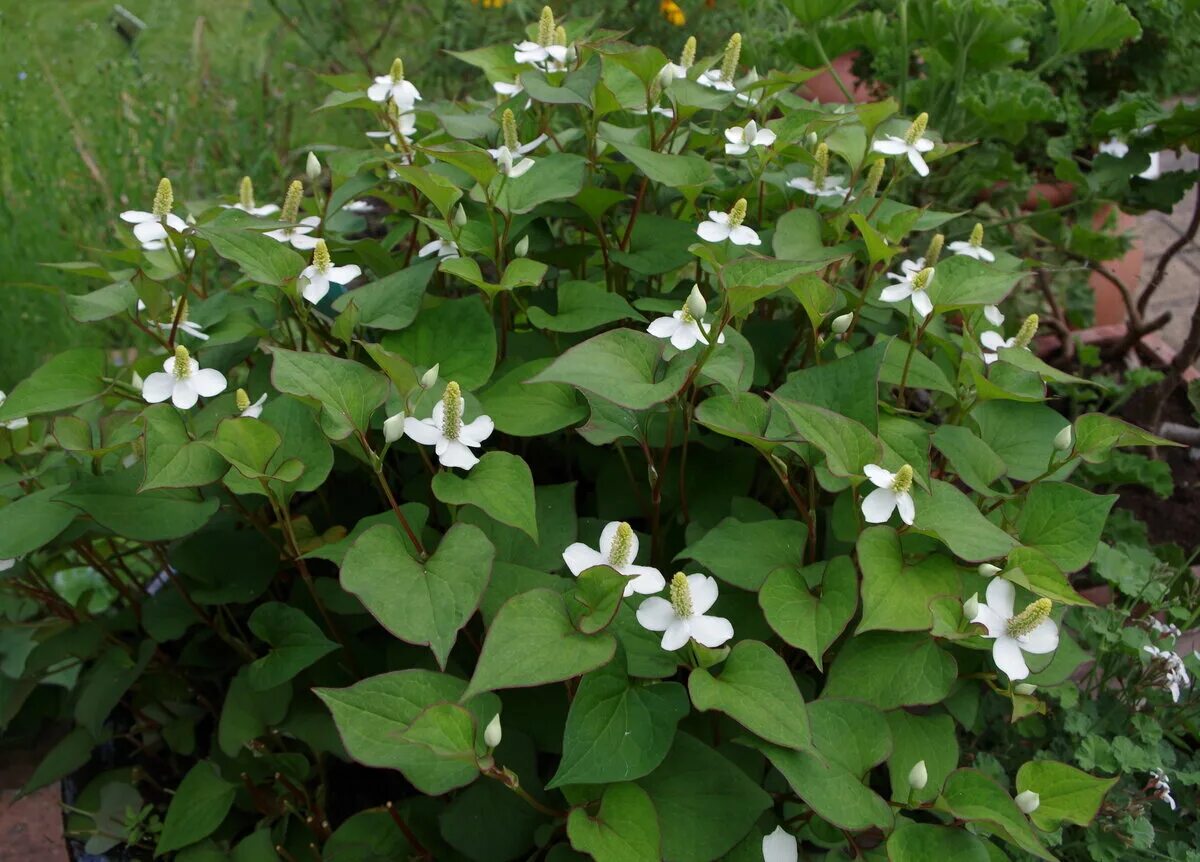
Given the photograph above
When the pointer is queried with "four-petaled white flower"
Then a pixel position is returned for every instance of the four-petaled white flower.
(686, 326)
(246, 201)
(892, 493)
(443, 248)
(1160, 786)
(683, 617)
(445, 430)
(779, 846)
(394, 87)
(913, 145)
(508, 155)
(183, 381)
(911, 283)
(151, 230)
(547, 58)
(831, 186)
(316, 277)
(185, 325)
(504, 160)
(728, 226)
(713, 79)
(973, 247)
(669, 113)
(298, 235)
(679, 71)
(618, 550)
(739, 139)
(12, 424)
(1031, 630)
(994, 341)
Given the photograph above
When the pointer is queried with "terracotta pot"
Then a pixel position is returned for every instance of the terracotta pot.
(1151, 348)
(1109, 306)
(823, 88)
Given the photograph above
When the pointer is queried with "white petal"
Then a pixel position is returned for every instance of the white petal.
(279, 235)
(685, 337)
(315, 288)
(735, 135)
(764, 138)
(184, 395)
(992, 340)
(149, 231)
(656, 614)
(677, 635)
(158, 386)
(1007, 655)
(994, 315)
(429, 248)
(904, 505)
(891, 146)
(456, 454)
(208, 382)
(922, 303)
(711, 231)
(663, 327)
(1000, 597)
(378, 91)
(923, 145)
(423, 431)
(736, 149)
(344, 274)
(718, 217)
(918, 163)
(704, 592)
(520, 168)
(742, 235)
(475, 432)
(302, 242)
(779, 846)
(711, 631)
(995, 624)
(532, 145)
(579, 558)
(896, 292)
(880, 477)
(878, 506)
(1042, 640)
(643, 579)
(137, 216)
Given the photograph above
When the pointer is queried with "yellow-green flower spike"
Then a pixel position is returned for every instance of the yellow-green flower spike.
(246, 193)
(508, 126)
(917, 128)
(451, 411)
(921, 279)
(902, 484)
(874, 176)
(291, 202)
(1027, 331)
(397, 71)
(821, 171)
(688, 56)
(242, 400)
(560, 35)
(681, 595)
(977, 235)
(737, 215)
(546, 27)
(621, 553)
(183, 364)
(1029, 619)
(320, 257)
(733, 52)
(934, 252)
(164, 198)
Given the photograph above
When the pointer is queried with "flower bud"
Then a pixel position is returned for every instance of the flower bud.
(971, 607)
(987, 570)
(313, 167)
(430, 378)
(493, 733)
(810, 141)
(522, 247)
(1028, 801)
(841, 323)
(918, 776)
(460, 216)
(695, 304)
(136, 380)
(1064, 440)
(1025, 688)
(393, 427)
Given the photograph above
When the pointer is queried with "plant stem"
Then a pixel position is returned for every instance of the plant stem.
(816, 40)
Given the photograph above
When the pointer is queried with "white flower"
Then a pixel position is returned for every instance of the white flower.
(393, 86)
(728, 226)
(246, 201)
(831, 186)
(508, 90)
(443, 248)
(1119, 149)
(976, 251)
(548, 58)
(151, 230)
(1169, 671)
(183, 381)
(359, 207)
(191, 328)
(1031, 630)
(445, 430)
(298, 235)
(683, 618)
(686, 326)
(316, 277)
(891, 494)
(407, 125)
(504, 159)
(779, 846)
(913, 145)
(12, 424)
(918, 776)
(493, 733)
(911, 283)
(994, 341)
(672, 72)
(1161, 787)
(750, 100)
(669, 113)
(739, 139)
(993, 315)
(987, 570)
(1028, 801)
(393, 427)
(618, 550)
(253, 411)
(716, 81)
(511, 148)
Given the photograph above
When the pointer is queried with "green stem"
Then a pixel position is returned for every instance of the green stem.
(816, 40)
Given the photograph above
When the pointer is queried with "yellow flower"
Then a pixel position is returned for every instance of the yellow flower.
(672, 13)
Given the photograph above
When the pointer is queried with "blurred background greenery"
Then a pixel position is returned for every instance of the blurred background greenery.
(98, 100)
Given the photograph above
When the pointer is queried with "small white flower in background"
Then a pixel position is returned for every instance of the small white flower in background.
(913, 145)
(1028, 801)
(974, 248)
(151, 228)
(987, 570)
(1119, 149)
(312, 167)
(618, 550)
(187, 326)
(728, 226)
(686, 326)
(359, 207)
(246, 201)
(183, 381)
(820, 184)
(550, 52)
(918, 776)
(662, 111)
(493, 733)
(683, 618)
(779, 846)
(678, 71)
(993, 315)
(406, 125)
(1160, 787)
(1031, 630)
(1159, 627)
(245, 408)
(317, 276)
(12, 424)
(512, 148)
(892, 493)
(723, 78)
(739, 139)
(445, 430)
(993, 341)
(393, 427)
(443, 248)
(750, 100)
(1168, 671)
(295, 233)
(910, 285)
(508, 89)
(395, 88)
